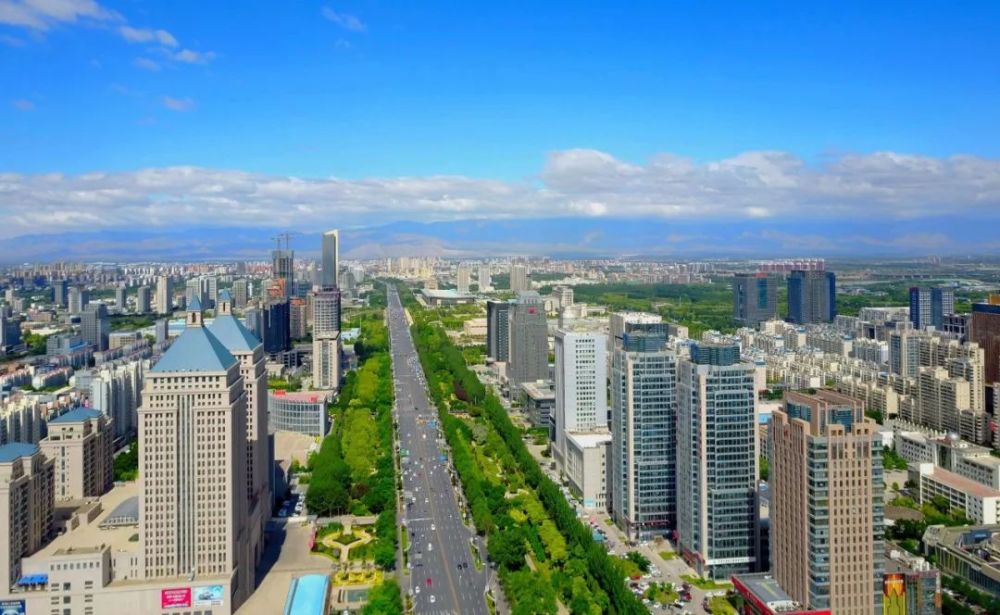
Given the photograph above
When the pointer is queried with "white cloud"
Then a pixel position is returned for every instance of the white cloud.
(147, 35)
(193, 57)
(146, 64)
(344, 20)
(44, 14)
(23, 104)
(880, 187)
(178, 104)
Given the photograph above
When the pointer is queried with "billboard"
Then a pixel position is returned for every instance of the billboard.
(208, 595)
(12, 607)
(175, 598)
(894, 594)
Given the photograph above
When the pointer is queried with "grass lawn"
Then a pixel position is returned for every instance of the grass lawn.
(662, 593)
(668, 555)
(720, 606)
(705, 584)
(608, 522)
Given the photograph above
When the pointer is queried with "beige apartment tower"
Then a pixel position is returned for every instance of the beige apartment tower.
(81, 445)
(826, 503)
(26, 479)
(193, 502)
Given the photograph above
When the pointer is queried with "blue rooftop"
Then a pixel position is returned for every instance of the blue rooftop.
(76, 415)
(233, 334)
(307, 595)
(225, 295)
(15, 450)
(196, 350)
(195, 305)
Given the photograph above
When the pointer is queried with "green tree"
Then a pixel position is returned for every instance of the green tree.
(506, 547)
(765, 469)
(639, 560)
(384, 599)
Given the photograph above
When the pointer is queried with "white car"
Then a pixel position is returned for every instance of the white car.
(433, 529)
(430, 547)
(432, 598)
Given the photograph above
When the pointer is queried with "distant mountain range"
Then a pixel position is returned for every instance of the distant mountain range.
(584, 237)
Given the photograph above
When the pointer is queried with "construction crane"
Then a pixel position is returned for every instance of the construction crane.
(286, 236)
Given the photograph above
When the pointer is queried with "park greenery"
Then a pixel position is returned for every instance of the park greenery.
(891, 460)
(360, 477)
(384, 599)
(543, 553)
(126, 465)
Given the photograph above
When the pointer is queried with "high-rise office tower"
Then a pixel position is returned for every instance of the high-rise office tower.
(249, 351)
(210, 290)
(755, 298)
(326, 339)
(929, 306)
(196, 288)
(812, 296)
(27, 481)
(240, 293)
(463, 278)
(253, 317)
(297, 318)
(717, 461)
(277, 327)
(79, 297)
(519, 278)
(142, 300)
(164, 295)
(120, 298)
(484, 281)
(193, 466)
(162, 329)
(283, 270)
(331, 259)
(643, 472)
(10, 332)
(60, 292)
(498, 330)
(580, 385)
(95, 326)
(986, 333)
(826, 503)
(529, 342)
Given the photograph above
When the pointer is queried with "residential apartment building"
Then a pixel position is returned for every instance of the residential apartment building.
(755, 298)
(26, 505)
(717, 461)
(164, 295)
(826, 507)
(812, 296)
(81, 445)
(95, 326)
(929, 306)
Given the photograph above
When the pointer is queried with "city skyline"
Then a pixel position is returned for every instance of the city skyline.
(375, 115)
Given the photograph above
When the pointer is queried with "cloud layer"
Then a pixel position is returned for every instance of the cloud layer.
(753, 186)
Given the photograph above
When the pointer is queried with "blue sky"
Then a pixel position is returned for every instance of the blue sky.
(498, 92)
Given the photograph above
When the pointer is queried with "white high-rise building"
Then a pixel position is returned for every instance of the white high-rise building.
(194, 522)
(326, 339)
(463, 278)
(331, 259)
(164, 295)
(519, 278)
(580, 385)
(484, 281)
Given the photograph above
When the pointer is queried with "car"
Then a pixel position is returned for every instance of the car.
(416, 589)
(430, 547)
(432, 598)
(433, 529)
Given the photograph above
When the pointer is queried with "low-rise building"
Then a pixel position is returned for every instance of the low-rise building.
(910, 585)
(980, 503)
(586, 467)
(303, 412)
(969, 553)
(539, 400)
(762, 595)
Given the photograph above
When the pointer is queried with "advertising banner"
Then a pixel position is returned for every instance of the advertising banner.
(894, 594)
(12, 607)
(175, 598)
(208, 595)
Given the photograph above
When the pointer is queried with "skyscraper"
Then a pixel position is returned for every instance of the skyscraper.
(643, 473)
(283, 270)
(519, 278)
(249, 351)
(331, 259)
(142, 300)
(193, 455)
(164, 295)
(529, 342)
(196, 288)
(120, 299)
(986, 333)
(27, 480)
(60, 292)
(580, 385)
(498, 330)
(95, 326)
(826, 503)
(929, 306)
(277, 327)
(484, 281)
(755, 298)
(717, 461)
(79, 297)
(812, 296)
(297, 318)
(463, 278)
(240, 293)
(326, 339)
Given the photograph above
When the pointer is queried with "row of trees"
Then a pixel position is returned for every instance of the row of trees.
(588, 580)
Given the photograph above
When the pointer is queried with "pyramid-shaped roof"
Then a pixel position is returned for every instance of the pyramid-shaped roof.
(233, 334)
(196, 350)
